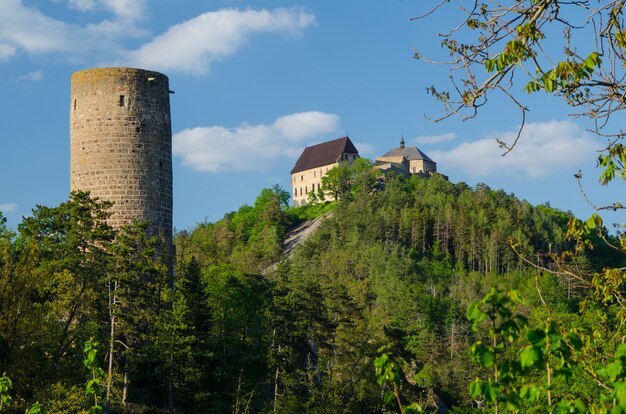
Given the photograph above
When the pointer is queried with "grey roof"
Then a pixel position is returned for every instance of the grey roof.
(410, 153)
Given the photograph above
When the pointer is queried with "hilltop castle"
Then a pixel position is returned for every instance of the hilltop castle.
(315, 161)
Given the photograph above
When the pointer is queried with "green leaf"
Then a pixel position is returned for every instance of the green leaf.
(529, 392)
(482, 354)
(476, 388)
(490, 391)
(530, 356)
(594, 221)
(37, 409)
(612, 370)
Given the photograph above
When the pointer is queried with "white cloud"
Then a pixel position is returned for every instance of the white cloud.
(82, 5)
(122, 9)
(29, 29)
(298, 126)
(434, 139)
(6, 51)
(250, 147)
(193, 45)
(31, 76)
(543, 149)
(126, 9)
(8, 207)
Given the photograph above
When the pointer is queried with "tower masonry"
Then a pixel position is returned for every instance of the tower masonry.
(121, 143)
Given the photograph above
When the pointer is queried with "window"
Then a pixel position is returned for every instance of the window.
(300, 190)
(74, 104)
(313, 187)
(295, 192)
(122, 101)
(314, 174)
(306, 190)
(301, 177)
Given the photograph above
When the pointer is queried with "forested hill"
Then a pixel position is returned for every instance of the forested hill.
(388, 275)
(394, 268)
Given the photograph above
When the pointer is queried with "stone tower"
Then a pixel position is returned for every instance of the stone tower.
(121, 143)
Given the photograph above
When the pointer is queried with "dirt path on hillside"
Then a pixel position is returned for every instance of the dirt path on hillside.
(300, 234)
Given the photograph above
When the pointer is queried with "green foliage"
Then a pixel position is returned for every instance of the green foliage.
(94, 384)
(241, 330)
(5, 387)
(349, 180)
(388, 373)
(310, 211)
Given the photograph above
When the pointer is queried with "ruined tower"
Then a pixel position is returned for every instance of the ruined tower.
(121, 143)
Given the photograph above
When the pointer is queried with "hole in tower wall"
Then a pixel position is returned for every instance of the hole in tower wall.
(122, 101)
(74, 104)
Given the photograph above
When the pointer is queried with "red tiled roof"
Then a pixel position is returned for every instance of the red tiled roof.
(323, 154)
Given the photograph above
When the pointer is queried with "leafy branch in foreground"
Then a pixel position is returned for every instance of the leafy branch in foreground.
(388, 375)
(94, 383)
(544, 365)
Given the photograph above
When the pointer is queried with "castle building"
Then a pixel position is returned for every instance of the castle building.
(407, 161)
(314, 163)
(121, 144)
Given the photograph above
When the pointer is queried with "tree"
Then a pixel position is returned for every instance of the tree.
(139, 294)
(336, 182)
(348, 180)
(575, 50)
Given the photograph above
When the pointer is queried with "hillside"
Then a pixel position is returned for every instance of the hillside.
(395, 268)
(252, 327)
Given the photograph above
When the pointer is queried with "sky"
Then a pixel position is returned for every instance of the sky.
(257, 81)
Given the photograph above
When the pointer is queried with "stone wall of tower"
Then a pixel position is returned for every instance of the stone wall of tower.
(121, 143)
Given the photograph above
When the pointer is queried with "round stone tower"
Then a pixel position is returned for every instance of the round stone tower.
(121, 143)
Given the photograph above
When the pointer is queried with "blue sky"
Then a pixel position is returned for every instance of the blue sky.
(255, 82)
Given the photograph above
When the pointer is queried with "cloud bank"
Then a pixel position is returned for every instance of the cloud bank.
(250, 147)
(544, 149)
(191, 46)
